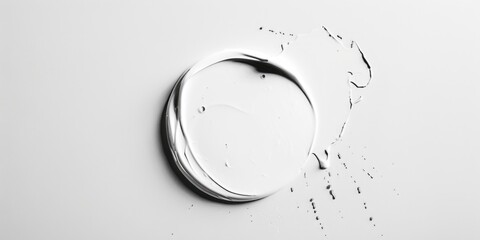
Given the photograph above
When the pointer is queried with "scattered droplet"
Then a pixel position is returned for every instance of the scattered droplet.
(331, 194)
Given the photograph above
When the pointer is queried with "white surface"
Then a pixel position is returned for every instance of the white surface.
(83, 84)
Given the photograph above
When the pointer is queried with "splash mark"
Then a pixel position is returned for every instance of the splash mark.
(195, 167)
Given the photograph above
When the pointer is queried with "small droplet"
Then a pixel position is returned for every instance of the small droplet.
(331, 194)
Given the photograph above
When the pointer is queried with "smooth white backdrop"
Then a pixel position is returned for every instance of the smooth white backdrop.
(83, 84)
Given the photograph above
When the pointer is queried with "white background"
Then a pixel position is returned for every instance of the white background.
(83, 84)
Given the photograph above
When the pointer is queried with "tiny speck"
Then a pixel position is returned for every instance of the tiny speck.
(331, 194)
